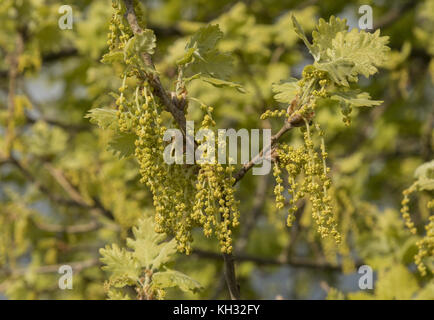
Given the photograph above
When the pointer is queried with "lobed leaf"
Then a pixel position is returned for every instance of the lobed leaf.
(121, 264)
(172, 278)
(353, 53)
(223, 83)
(324, 34)
(425, 176)
(104, 118)
(355, 98)
(285, 92)
(150, 249)
(122, 143)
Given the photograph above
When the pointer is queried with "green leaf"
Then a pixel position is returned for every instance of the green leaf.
(172, 278)
(113, 56)
(150, 249)
(425, 176)
(144, 42)
(285, 92)
(425, 171)
(353, 53)
(355, 98)
(325, 32)
(205, 39)
(104, 118)
(122, 144)
(299, 31)
(124, 269)
(335, 294)
(187, 57)
(396, 283)
(213, 63)
(342, 54)
(426, 293)
(340, 71)
(202, 57)
(114, 294)
(223, 83)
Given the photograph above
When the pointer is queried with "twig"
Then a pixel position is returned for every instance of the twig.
(66, 185)
(231, 279)
(173, 106)
(78, 228)
(13, 74)
(248, 224)
(154, 80)
(77, 200)
(296, 262)
(252, 217)
(288, 125)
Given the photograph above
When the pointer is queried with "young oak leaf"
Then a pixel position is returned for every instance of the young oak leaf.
(425, 176)
(285, 92)
(353, 53)
(144, 42)
(342, 54)
(112, 57)
(325, 32)
(355, 98)
(122, 143)
(114, 294)
(172, 278)
(123, 267)
(339, 70)
(104, 118)
(202, 59)
(150, 249)
(205, 39)
(396, 283)
(223, 83)
(139, 44)
(213, 63)
(300, 32)
(200, 44)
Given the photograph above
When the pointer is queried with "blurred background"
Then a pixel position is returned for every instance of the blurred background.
(64, 194)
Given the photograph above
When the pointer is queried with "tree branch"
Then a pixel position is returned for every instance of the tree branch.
(77, 228)
(288, 125)
(154, 80)
(292, 262)
(76, 200)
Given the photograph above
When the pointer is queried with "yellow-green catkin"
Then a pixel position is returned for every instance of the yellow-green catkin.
(184, 196)
(405, 209)
(309, 166)
(426, 244)
(215, 206)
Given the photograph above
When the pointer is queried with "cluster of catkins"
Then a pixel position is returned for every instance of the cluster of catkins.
(426, 244)
(184, 196)
(305, 166)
